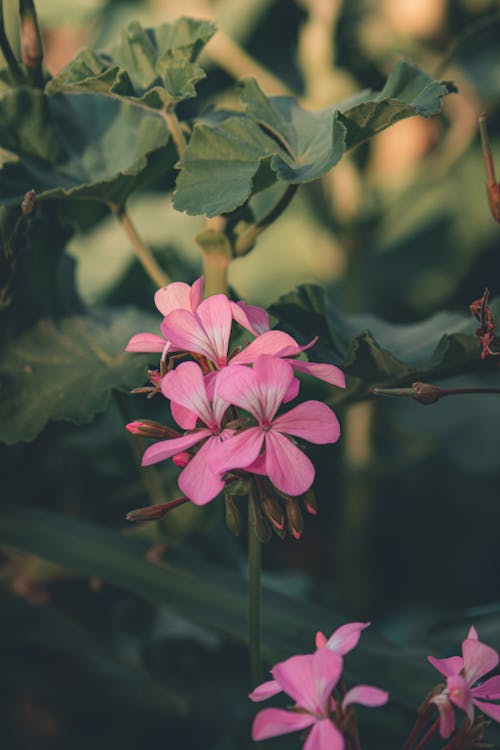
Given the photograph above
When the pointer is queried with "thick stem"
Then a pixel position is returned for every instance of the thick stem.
(425, 739)
(175, 129)
(215, 270)
(143, 253)
(253, 597)
(247, 239)
(31, 41)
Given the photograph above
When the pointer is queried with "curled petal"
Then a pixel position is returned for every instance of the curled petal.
(172, 297)
(286, 466)
(328, 373)
(490, 689)
(272, 342)
(271, 722)
(447, 667)
(490, 709)
(321, 640)
(148, 343)
(366, 695)
(265, 691)
(345, 638)
(479, 659)
(324, 736)
(168, 448)
(460, 694)
(312, 421)
(254, 319)
(446, 715)
(472, 634)
(196, 293)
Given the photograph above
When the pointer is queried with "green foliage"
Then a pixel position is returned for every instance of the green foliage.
(151, 67)
(66, 370)
(227, 161)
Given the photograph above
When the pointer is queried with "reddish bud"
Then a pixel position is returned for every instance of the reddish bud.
(425, 393)
(309, 500)
(492, 186)
(294, 517)
(155, 512)
(147, 428)
(181, 459)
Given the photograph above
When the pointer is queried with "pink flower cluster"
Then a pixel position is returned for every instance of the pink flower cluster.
(206, 392)
(311, 680)
(463, 687)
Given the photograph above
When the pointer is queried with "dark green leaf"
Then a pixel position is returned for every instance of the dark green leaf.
(66, 370)
(226, 153)
(153, 67)
(86, 147)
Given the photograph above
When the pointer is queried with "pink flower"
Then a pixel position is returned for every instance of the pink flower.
(462, 672)
(187, 389)
(344, 639)
(309, 680)
(261, 391)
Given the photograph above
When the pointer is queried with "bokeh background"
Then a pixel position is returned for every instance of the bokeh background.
(407, 534)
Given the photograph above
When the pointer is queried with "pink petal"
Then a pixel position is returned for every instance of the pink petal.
(447, 667)
(272, 342)
(446, 715)
(185, 331)
(286, 466)
(295, 677)
(274, 377)
(324, 736)
(490, 709)
(345, 638)
(472, 635)
(292, 391)
(265, 691)
(184, 417)
(167, 448)
(237, 452)
(197, 482)
(145, 342)
(257, 317)
(366, 695)
(328, 373)
(238, 385)
(215, 315)
(196, 293)
(490, 689)
(479, 659)
(460, 695)
(312, 421)
(271, 722)
(172, 297)
(327, 668)
(321, 640)
(185, 386)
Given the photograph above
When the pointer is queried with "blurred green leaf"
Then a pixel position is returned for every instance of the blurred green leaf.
(66, 370)
(223, 162)
(85, 147)
(152, 67)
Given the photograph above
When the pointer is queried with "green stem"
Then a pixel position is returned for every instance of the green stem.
(412, 737)
(142, 251)
(253, 597)
(31, 42)
(247, 239)
(7, 52)
(175, 129)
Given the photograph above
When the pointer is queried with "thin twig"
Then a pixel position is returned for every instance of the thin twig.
(143, 253)
(175, 129)
(432, 730)
(247, 239)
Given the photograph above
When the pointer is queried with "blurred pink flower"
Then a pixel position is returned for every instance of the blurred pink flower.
(462, 672)
(344, 639)
(309, 680)
(261, 391)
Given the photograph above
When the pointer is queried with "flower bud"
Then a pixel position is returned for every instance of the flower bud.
(28, 203)
(155, 512)
(261, 528)
(294, 517)
(181, 459)
(273, 510)
(233, 515)
(147, 428)
(310, 504)
(425, 393)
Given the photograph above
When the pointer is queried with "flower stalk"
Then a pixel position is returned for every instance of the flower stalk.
(142, 251)
(254, 564)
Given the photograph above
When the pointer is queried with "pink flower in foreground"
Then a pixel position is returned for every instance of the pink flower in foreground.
(462, 674)
(266, 448)
(187, 389)
(309, 680)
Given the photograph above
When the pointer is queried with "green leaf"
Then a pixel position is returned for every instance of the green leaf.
(226, 153)
(152, 67)
(209, 595)
(85, 147)
(66, 370)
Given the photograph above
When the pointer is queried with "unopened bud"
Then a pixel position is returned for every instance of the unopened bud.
(261, 528)
(155, 512)
(233, 515)
(294, 517)
(181, 459)
(425, 393)
(239, 486)
(273, 510)
(309, 500)
(147, 428)
(492, 186)
(31, 38)
(28, 203)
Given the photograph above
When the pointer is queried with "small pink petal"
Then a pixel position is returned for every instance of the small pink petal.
(181, 459)
(324, 736)
(321, 640)
(265, 691)
(447, 667)
(149, 343)
(366, 695)
(215, 315)
(196, 293)
(446, 715)
(286, 466)
(271, 722)
(479, 659)
(197, 482)
(237, 452)
(328, 373)
(172, 297)
(490, 709)
(472, 634)
(312, 421)
(168, 448)
(257, 317)
(345, 638)
(489, 689)
(185, 386)
(272, 342)
(292, 391)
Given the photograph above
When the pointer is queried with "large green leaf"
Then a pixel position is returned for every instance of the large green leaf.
(374, 351)
(85, 147)
(225, 153)
(152, 67)
(66, 370)
(209, 595)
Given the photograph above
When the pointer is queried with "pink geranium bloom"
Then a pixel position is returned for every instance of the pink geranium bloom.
(462, 674)
(186, 388)
(266, 447)
(309, 680)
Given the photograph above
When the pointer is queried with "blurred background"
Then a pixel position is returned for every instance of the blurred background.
(408, 527)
